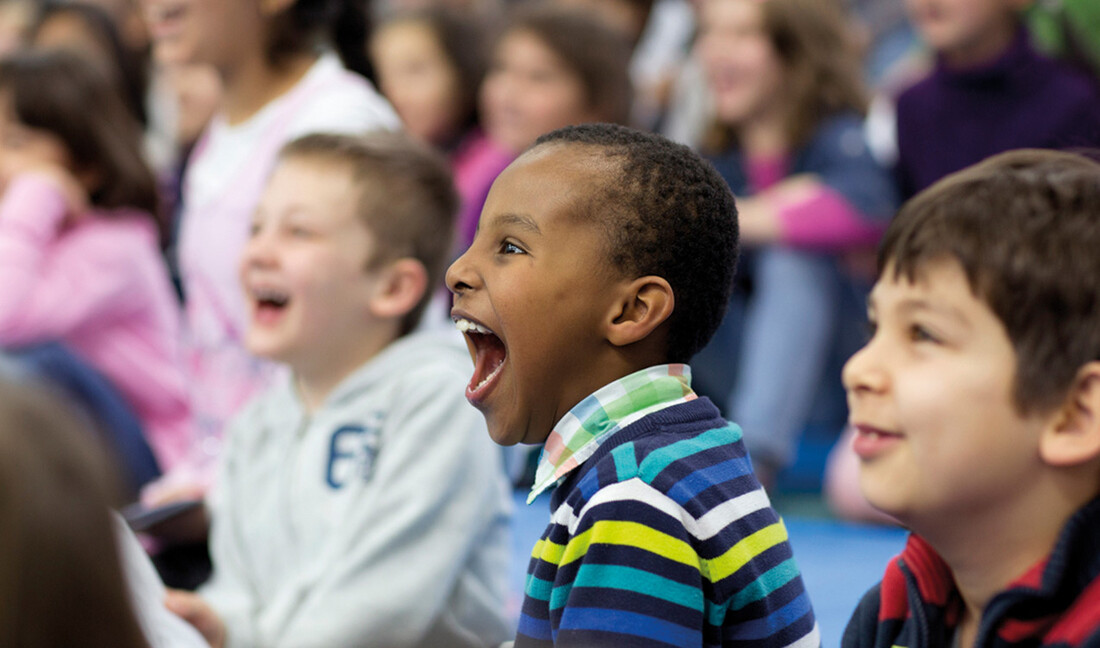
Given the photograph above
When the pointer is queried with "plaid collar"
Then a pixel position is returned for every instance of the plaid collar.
(584, 428)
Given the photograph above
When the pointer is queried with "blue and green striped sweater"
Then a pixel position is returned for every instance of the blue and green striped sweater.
(664, 537)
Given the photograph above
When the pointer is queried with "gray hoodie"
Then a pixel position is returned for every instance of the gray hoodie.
(379, 520)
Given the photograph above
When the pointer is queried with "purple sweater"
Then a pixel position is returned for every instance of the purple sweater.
(955, 118)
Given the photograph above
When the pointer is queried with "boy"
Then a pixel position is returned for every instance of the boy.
(359, 503)
(603, 261)
(989, 92)
(977, 409)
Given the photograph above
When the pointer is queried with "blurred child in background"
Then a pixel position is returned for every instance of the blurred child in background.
(79, 240)
(280, 77)
(360, 501)
(430, 64)
(989, 92)
(789, 102)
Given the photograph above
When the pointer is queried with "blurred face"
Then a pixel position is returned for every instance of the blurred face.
(964, 29)
(742, 67)
(930, 396)
(419, 80)
(530, 294)
(530, 91)
(203, 31)
(24, 149)
(303, 271)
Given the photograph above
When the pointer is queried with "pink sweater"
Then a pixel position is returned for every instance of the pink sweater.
(101, 288)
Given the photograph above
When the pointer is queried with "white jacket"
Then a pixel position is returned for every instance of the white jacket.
(380, 520)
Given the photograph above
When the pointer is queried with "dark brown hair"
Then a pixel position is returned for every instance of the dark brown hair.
(596, 53)
(821, 66)
(1025, 227)
(128, 69)
(307, 25)
(69, 97)
(408, 198)
(61, 580)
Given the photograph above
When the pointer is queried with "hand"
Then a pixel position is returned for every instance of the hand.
(63, 180)
(193, 609)
(757, 221)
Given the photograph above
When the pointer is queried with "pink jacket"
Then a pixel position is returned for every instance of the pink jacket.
(101, 288)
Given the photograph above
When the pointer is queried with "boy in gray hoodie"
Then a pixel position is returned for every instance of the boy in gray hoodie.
(360, 500)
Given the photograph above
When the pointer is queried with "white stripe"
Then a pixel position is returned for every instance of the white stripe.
(811, 640)
(637, 490)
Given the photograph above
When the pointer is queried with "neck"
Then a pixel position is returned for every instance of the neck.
(317, 377)
(999, 543)
(764, 135)
(983, 50)
(253, 82)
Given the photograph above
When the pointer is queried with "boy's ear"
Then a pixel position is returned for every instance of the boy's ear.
(398, 288)
(1073, 437)
(644, 304)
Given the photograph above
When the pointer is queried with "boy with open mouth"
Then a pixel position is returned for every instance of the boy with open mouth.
(602, 263)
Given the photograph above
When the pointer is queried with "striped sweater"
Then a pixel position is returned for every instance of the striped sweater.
(664, 537)
(1056, 603)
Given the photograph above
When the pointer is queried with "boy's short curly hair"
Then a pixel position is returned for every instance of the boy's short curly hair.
(667, 213)
(1025, 227)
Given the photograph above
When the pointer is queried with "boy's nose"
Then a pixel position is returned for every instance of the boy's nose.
(862, 372)
(258, 250)
(459, 276)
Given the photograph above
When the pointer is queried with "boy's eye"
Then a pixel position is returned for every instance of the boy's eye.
(918, 333)
(507, 247)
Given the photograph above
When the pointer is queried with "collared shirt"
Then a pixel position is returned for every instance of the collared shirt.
(612, 407)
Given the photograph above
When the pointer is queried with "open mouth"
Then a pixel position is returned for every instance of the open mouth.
(269, 304)
(489, 354)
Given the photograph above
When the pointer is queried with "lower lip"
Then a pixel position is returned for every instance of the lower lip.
(477, 396)
(267, 316)
(871, 444)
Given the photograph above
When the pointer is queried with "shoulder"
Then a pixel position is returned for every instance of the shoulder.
(333, 99)
(863, 626)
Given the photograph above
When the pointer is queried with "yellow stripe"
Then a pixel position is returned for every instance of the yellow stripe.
(741, 553)
(631, 534)
(551, 552)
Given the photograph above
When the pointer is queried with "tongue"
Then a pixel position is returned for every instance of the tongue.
(490, 355)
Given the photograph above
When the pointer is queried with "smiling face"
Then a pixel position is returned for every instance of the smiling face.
(931, 398)
(419, 80)
(743, 70)
(532, 294)
(529, 91)
(304, 272)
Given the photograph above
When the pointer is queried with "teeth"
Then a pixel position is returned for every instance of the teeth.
(270, 295)
(466, 326)
(486, 379)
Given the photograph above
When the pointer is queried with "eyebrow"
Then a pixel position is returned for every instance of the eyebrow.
(916, 304)
(522, 221)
